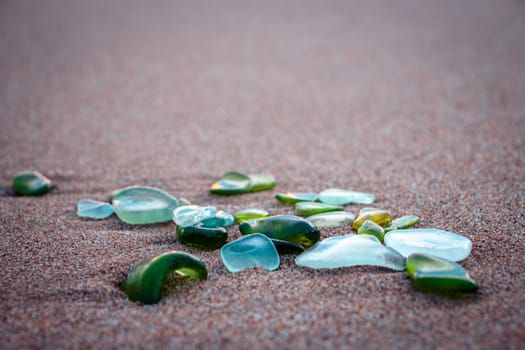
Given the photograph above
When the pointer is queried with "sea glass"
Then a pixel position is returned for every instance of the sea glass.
(343, 197)
(88, 208)
(250, 251)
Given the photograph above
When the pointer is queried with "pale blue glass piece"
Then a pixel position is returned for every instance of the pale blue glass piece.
(190, 215)
(88, 208)
(342, 197)
(443, 244)
(250, 251)
(221, 219)
(332, 219)
(350, 250)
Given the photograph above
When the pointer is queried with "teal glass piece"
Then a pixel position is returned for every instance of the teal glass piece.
(250, 214)
(143, 205)
(221, 219)
(379, 216)
(343, 197)
(331, 219)
(292, 198)
(350, 250)
(88, 208)
(262, 182)
(232, 183)
(31, 183)
(285, 247)
(432, 274)
(284, 227)
(250, 251)
(402, 223)
(190, 215)
(443, 244)
(371, 228)
(312, 208)
(203, 238)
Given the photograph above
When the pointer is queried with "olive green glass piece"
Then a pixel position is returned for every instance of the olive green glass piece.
(371, 228)
(291, 198)
(402, 223)
(249, 214)
(285, 247)
(312, 208)
(31, 183)
(144, 282)
(379, 216)
(203, 238)
(262, 182)
(232, 183)
(432, 274)
(284, 227)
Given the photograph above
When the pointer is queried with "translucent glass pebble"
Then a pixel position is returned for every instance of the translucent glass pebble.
(379, 216)
(342, 197)
(331, 219)
(443, 244)
(143, 205)
(190, 215)
(88, 208)
(312, 208)
(402, 223)
(262, 182)
(350, 250)
(31, 183)
(291, 198)
(250, 251)
(232, 183)
(250, 214)
(220, 219)
(371, 228)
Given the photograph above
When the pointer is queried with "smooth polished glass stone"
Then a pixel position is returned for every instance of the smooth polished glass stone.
(331, 219)
(342, 197)
(184, 202)
(31, 183)
(203, 238)
(285, 247)
(88, 208)
(262, 182)
(249, 214)
(292, 198)
(437, 275)
(143, 205)
(402, 223)
(190, 215)
(350, 250)
(379, 216)
(232, 183)
(250, 251)
(371, 228)
(221, 219)
(312, 208)
(284, 227)
(443, 244)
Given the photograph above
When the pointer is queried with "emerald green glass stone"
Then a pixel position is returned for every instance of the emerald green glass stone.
(371, 228)
(331, 219)
(143, 205)
(379, 216)
(433, 274)
(262, 182)
(343, 197)
(284, 227)
(232, 183)
(31, 183)
(203, 238)
(312, 208)
(402, 223)
(291, 198)
(285, 247)
(249, 214)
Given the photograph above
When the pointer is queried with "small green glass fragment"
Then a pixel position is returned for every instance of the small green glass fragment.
(145, 281)
(232, 183)
(31, 183)
(250, 214)
(183, 202)
(379, 216)
(292, 198)
(285, 247)
(371, 228)
(262, 182)
(312, 208)
(432, 274)
(402, 223)
(203, 238)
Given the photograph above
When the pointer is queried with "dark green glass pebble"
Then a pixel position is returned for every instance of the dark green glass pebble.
(312, 208)
(284, 227)
(232, 183)
(285, 247)
(203, 238)
(31, 183)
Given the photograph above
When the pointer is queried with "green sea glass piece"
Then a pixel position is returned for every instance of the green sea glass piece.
(433, 274)
(250, 251)
(285, 247)
(332, 219)
(262, 182)
(88, 208)
(402, 223)
(249, 214)
(379, 216)
(31, 183)
(221, 219)
(203, 238)
(312, 208)
(184, 202)
(232, 183)
(291, 198)
(371, 228)
(343, 197)
(143, 205)
(190, 215)
(284, 227)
